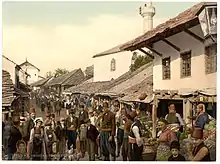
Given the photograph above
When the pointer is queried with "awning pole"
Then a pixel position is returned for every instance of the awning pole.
(154, 117)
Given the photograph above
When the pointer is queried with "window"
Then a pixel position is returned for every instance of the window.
(113, 65)
(166, 68)
(211, 59)
(185, 64)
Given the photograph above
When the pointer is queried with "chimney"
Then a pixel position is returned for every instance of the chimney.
(147, 12)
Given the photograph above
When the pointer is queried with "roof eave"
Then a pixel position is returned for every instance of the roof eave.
(166, 33)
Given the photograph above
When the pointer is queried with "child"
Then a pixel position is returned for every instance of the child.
(21, 153)
(92, 134)
(176, 156)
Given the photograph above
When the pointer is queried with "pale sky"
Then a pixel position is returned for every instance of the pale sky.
(67, 34)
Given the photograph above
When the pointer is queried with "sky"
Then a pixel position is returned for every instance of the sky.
(67, 34)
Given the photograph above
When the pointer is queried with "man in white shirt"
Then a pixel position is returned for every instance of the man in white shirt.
(135, 140)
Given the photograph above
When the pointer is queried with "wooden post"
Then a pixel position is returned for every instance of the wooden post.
(154, 117)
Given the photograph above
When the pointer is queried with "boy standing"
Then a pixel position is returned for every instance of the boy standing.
(91, 135)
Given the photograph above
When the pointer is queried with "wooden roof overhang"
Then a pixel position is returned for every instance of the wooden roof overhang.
(148, 43)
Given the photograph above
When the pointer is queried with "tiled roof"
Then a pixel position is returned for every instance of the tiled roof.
(88, 88)
(41, 82)
(64, 79)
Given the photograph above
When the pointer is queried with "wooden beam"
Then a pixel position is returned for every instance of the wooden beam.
(153, 50)
(145, 52)
(194, 35)
(171, 44)
(154, 117)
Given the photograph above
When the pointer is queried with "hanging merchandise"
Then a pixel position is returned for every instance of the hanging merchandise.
(209, 108)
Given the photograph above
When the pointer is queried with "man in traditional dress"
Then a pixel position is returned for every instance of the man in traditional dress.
(72, 126)
(202, 117)
(145, 124)
(51, 139)
(15, 136)
(61, 134)
(107, 133)
(120, 129)
(173, 117)
(135, 139)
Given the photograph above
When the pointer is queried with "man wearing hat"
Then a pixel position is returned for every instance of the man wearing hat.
(61, 131)
(144, 121)
(30, 123)
(15, 136)
(199, 152)
(91, 135)
(135, 139)
(107, 133)
(48, 118)
(72, 127)
(51, 138)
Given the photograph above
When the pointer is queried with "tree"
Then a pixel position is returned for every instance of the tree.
(140, 61)
(59, 72)
(89, 71)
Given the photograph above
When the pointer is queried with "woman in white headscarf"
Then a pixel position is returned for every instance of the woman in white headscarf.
(38, 141)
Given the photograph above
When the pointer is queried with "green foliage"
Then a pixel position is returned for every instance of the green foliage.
(140, 61)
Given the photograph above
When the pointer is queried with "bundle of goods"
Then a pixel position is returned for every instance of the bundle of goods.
(174, 127)
(209, 130)
(183, 147)
(209, 137)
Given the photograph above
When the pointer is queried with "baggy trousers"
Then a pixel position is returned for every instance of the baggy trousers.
(136, 152)
(107, 148)
(72, 135)
(120, 136)
(91, 146)
(125, 152)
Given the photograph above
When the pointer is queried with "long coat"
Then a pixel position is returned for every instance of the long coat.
(14, 137)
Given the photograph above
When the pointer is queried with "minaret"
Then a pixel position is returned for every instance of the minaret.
(147, 12)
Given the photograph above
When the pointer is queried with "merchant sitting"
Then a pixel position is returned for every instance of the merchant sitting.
(175, 120)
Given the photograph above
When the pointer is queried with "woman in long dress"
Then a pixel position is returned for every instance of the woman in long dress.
(165, 138)
(38, 140)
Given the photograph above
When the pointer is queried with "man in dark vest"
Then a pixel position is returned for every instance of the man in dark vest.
(172, 117)
(72, 127)
(107, 133)
(135, 139)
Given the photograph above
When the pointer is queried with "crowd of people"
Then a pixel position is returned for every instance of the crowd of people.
(103, 130)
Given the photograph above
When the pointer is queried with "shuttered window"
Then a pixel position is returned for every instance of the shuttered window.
(166, 68)
(113, 65)
(211, 59)
(185, 64)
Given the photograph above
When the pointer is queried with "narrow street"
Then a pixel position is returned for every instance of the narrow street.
(62, 114)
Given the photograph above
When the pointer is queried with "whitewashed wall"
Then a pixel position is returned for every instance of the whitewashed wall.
(102, 66)
(31, 71)
(199, 79)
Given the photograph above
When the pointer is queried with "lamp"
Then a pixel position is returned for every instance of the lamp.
(208, 21)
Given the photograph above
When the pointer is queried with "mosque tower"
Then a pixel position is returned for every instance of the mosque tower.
(147, 12)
